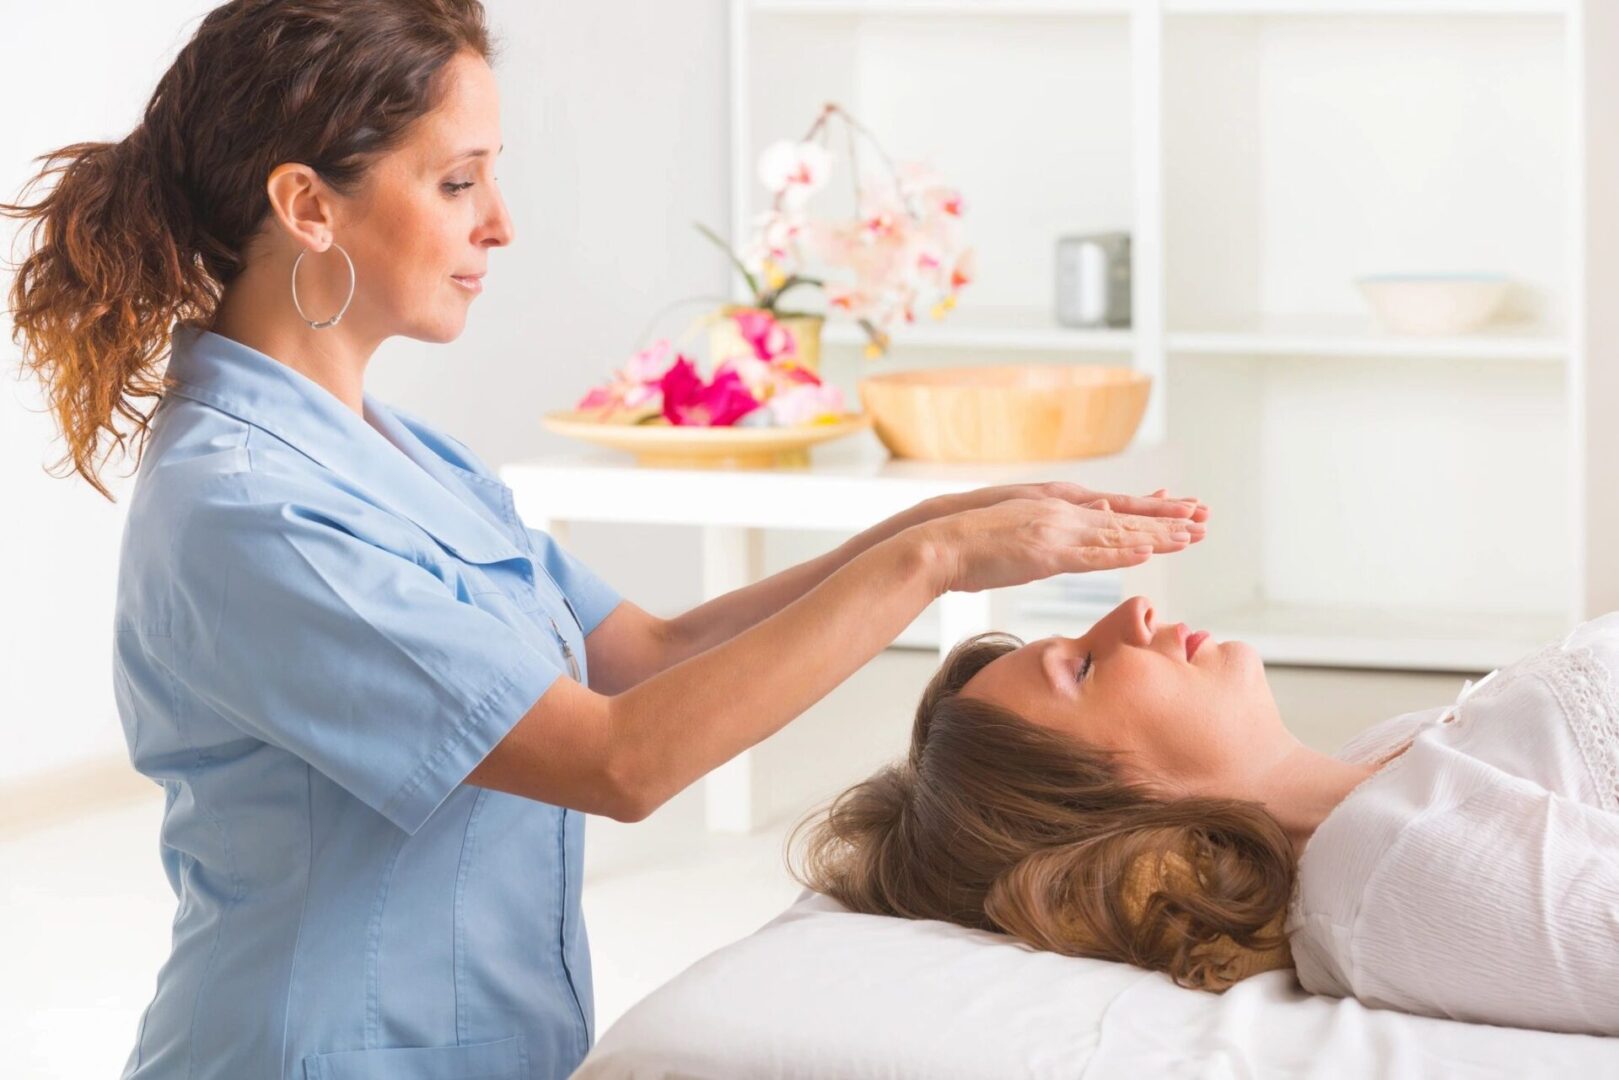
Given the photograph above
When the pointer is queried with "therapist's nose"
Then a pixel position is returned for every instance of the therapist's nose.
(498, 230)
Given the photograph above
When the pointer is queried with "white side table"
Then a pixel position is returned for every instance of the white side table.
(849, 485)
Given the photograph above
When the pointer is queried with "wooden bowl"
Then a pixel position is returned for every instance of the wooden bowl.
(660, 444)
(1011, 412)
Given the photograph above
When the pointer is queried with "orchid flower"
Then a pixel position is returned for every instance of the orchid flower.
(687, 401)
(794, 171)
(806, 404)
(769, 338)
(635, 386)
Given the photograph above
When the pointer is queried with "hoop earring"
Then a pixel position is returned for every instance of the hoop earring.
(333, 320)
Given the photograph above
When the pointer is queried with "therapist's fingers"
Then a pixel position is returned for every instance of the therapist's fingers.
(1158, 504)
(1102, 520)
(1084, 560)
(1112, 530)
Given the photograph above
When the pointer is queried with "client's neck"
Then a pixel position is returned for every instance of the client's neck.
(1301, 786)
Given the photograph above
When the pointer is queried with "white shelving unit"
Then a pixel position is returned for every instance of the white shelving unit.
(1378, 500)
(1006, 328)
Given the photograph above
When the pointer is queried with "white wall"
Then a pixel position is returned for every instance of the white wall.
(613, 116)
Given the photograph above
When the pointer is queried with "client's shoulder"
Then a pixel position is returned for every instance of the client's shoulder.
(1600, 635)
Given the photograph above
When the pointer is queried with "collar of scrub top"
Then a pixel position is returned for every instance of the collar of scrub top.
(408, 478)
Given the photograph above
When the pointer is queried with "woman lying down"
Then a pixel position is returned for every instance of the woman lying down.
(1132, 794)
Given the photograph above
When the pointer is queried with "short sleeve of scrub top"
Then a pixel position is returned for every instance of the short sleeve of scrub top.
(357, 659)
(592, 598)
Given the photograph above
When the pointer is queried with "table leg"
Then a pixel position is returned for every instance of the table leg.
(732, 558)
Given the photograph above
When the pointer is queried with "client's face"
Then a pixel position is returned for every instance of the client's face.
(1191, 722)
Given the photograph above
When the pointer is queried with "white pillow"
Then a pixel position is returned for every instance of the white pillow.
(822, 992)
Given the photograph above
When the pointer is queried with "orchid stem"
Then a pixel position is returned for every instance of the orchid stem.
(640, 338)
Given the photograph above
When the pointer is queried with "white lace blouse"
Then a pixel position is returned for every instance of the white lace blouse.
(1476, 875)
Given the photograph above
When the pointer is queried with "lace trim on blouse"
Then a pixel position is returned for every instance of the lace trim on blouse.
(1585, 692)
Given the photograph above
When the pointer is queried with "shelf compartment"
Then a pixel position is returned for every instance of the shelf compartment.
(1348, 336)
(1021, 8)
(1305, 149)
(978, 328)
(914, 83)
(1367, 7)
(1002, 8)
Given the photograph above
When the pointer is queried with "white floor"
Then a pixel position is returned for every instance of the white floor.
(87, 909)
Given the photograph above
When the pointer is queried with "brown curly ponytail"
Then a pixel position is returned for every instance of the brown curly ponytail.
(995, 823)
(137, 234)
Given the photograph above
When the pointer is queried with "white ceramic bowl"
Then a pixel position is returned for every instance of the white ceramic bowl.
(1434, 303)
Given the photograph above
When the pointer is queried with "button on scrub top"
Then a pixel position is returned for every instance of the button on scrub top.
(323, 624)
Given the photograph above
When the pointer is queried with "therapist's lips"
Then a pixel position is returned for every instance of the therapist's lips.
(473, 283)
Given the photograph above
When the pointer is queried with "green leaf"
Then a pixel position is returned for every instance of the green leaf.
(753, 286)
(792, 280)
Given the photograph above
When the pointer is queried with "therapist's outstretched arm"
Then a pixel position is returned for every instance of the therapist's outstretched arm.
(625, 755)
(725, 616)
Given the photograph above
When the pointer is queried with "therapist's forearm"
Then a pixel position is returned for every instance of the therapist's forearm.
(724, 617)
(669, 730)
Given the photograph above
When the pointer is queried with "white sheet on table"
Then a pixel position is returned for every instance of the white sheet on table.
(822, 992)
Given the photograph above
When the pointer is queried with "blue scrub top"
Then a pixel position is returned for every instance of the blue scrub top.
(322, 626)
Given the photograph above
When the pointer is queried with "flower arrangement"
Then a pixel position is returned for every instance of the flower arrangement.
(902, 244)
(766, 387)
(903, 241)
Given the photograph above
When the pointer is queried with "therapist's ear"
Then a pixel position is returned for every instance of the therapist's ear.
(303, 205)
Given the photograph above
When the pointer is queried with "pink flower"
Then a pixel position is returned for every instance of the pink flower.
(635, 386)
(755, 373)
(902, 239)
(964, 272)
(794, 171)
(806, 404)
(649, 365)
(599, 397)
(688, 402)
(793, 373)
(618, 394)
(768, 337)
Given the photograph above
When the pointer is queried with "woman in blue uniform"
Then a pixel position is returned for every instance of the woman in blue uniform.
(378, 704)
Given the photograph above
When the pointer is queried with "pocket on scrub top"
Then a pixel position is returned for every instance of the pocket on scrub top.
(515, 611)
(505, 1059)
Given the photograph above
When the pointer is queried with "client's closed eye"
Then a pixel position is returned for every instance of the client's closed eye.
(1084, 669)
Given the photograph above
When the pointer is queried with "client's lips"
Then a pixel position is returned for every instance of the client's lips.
(1194, 641)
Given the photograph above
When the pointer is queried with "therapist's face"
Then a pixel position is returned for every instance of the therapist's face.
(1188, 725)
(427, 214)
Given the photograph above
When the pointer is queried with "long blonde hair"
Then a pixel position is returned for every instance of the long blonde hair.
(995, 823)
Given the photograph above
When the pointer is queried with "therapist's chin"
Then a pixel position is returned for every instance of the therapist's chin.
(442, 330)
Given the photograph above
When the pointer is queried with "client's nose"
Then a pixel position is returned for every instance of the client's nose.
(1135, 619)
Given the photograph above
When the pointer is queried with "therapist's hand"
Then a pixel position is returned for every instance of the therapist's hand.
(1018, 540)
(1157, 505)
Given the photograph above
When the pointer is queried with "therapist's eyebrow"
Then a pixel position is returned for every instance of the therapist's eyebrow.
(481, 151)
